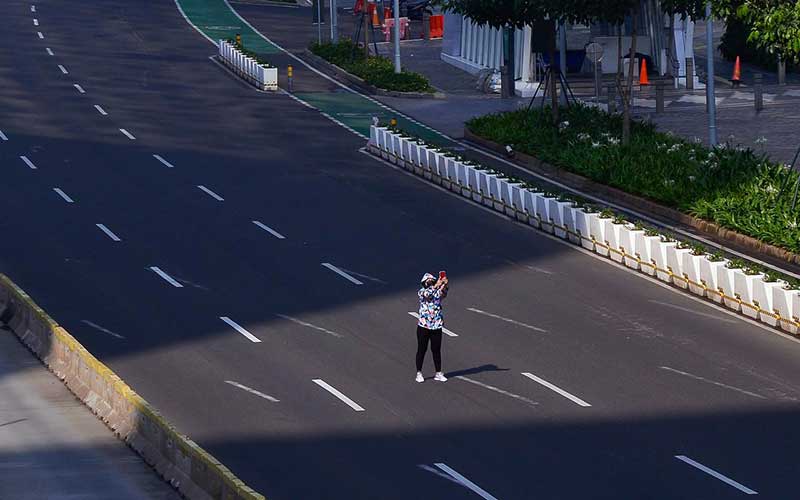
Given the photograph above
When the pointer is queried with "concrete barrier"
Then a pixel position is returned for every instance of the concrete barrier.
(189, 468)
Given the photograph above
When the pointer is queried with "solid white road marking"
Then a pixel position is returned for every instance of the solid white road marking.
(211, 193)
(80, 89)
(253, 391)
(39, 33)
(108, 232)
(63, 69)
(35, 22)
(104, 330)
(100, 110)
(444, 330)
(341, 273)
(28, 162)
(308, 325)
(162, 160)
(127, 134)
(713, 382)
(349, 402)
(713, 473)
(507, 320)
(63, 195)
(497, 390)
(236, 326)
(365, 276)
(3, 136)
(49, 51)
(466, 482)
(554, 388)
(33, 8)
(166, 277)
(686, 309)
(440, 474)
(269, 230)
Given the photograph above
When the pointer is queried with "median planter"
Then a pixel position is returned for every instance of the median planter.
(763, 295)
(260, 75)
(597, 232)
(709, 271)
(726, 281)
(627, 244)
(529, 198)
(660, 252)
(583, 224)
(570, 224)
(690, 267)
(675, 265)
(743, 285)
(643, 248)
(542, 207)
(555, 212)
(611, 233)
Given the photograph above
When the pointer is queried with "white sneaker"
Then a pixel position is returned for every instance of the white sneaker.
(420, 378)
(439, 377)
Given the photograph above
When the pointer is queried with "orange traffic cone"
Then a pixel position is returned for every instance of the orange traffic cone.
(736, 79)
(643, 80)
(376, 23)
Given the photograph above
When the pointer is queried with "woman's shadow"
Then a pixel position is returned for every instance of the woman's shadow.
(477, 369)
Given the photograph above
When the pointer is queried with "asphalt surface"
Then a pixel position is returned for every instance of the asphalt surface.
(645, 374)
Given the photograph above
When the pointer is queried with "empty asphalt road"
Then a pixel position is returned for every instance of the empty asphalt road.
(244, 267)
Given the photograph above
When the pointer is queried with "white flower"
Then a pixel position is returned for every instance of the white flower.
(697, 140)
(613, 141)
(771, 189)
(793, 225)
(692, 178)
(761, 140)
(584, 136)
(596, 144)
(563, 125)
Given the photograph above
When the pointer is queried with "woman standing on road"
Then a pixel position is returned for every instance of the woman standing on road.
(429, 326)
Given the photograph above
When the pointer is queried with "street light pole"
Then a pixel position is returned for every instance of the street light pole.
(397, 67)
(334, 27)
(710, 94)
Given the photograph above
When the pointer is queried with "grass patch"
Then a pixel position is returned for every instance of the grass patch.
(377, 71)
(732, 186)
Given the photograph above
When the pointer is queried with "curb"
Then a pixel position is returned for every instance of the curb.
(344, 76)
(735, 240)
(186, 466)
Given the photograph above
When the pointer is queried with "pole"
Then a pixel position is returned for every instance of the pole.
(562, 57)
(334, 27)
(319, 22)
(396, 7)
(710, 94)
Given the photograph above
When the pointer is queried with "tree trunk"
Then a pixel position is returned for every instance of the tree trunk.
(626, 100)
(554, 80)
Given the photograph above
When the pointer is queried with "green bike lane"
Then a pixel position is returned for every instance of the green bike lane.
(216, 19)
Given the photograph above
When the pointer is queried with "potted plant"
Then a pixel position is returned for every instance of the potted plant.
(709, 270)
(726, 283)
(542, 211)
(660, 252)
(743, 284)
(691, 268)
(627, 243)
(597, 230)
(530, 196)
(675, 263)
(644, 243)
(611, 233)
(763, 295)
(583, 225)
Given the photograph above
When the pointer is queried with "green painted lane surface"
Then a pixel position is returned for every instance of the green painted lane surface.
(356, 111)
(217, 21)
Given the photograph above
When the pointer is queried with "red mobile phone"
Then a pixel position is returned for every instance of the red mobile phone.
(442, 275)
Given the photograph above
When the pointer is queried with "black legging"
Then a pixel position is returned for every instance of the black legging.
(435, 336)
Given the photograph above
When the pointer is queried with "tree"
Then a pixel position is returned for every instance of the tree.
(775, 26)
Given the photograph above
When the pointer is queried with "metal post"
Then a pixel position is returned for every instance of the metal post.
(781, 70)
(426, 25)
(319, 22)
(334, 26)
(562, 57)
(758, 96)
(290, 76)
(612, 99)
(397, 66)
(710, 93)
(689, 73)
(660, 96)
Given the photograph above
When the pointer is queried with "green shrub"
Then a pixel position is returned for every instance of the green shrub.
(731, 186)
(377, 71)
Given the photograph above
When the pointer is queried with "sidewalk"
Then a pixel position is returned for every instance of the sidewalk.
(53, 447)
(685, 111)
